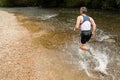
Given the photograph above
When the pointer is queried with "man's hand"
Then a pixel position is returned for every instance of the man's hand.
(93, 34)
(74, 29)
(94, 27)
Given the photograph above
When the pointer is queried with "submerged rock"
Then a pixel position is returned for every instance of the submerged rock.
(110, 40)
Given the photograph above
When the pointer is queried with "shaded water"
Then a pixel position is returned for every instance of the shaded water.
(53, 28)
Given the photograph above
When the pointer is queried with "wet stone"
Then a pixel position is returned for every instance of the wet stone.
(110, 40)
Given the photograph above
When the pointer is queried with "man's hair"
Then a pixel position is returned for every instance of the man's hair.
(84, 9)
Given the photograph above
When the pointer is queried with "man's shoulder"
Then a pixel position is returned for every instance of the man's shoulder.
(90, 18)
(80, 17)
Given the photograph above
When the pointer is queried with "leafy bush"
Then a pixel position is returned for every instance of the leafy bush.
(100, 4)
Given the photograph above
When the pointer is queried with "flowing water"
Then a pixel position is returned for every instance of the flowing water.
(56, 33)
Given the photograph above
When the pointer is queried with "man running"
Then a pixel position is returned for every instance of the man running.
(87, 27)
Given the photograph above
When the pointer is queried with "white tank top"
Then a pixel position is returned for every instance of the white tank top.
(86, 25)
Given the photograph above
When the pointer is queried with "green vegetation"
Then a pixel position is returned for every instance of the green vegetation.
(12, 3)
(99, 4)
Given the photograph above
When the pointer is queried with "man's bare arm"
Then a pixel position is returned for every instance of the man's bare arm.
(93, 26)
(77, 23)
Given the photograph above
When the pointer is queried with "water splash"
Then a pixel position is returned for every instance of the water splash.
(83, 62)
(102, 62)
(102, 36)
(100, 59)
(45, 17)
(84, 65)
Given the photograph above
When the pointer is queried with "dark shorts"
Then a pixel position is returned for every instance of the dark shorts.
(85, 36)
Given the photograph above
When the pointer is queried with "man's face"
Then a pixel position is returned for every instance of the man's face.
(81, 12)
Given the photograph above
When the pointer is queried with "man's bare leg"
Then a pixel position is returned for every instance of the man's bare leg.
(83, 47)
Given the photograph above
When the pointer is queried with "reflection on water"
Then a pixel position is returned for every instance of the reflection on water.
(54, 30)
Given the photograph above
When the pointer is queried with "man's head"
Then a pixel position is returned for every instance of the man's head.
(83, 10)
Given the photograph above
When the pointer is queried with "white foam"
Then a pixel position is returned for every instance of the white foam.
(100, 59)
(101, 38)
(102, 62)
(45, 17)
(84, 66)
(101, 35)
(83, 63)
